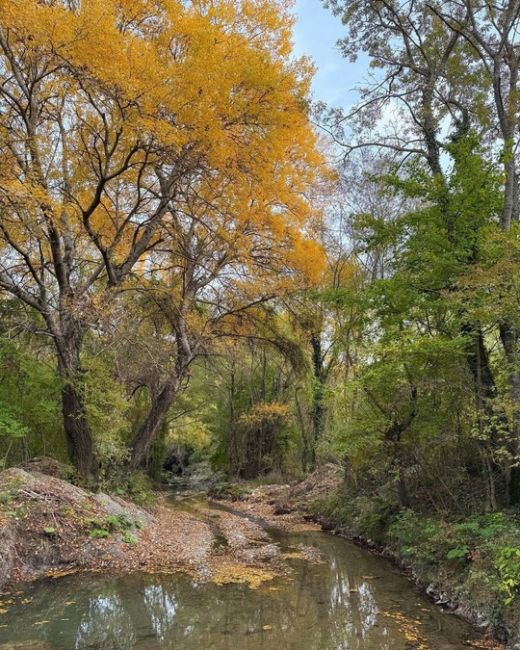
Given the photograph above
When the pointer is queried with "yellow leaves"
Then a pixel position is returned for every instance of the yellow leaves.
(409, 628)
(484, 644)
(206, 88)
(207, 72)
(200, 62)
(307, 256)
(229, 572)
(189, 430)
(265, 412)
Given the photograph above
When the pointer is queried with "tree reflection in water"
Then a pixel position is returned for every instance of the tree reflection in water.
(105, 624)
(350, 601)
(161, 606)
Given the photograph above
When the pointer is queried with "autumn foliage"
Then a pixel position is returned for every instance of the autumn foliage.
(158, 145)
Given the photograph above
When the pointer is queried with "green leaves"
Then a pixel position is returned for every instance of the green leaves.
(29, 401)
(10, 425)
(459, 553)
(111, 524)
(508, 566)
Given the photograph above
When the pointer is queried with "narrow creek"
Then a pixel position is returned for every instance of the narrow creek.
(348, 601)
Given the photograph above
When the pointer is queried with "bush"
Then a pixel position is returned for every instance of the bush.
(364, 517)
(136, 486)
(228, 492)
(508, 566)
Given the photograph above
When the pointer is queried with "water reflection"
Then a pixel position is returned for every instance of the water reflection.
(351, 601)
(161, 606)
(106, 623)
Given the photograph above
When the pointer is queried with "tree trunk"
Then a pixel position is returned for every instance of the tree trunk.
(402, 490)
(509, 338)
(487, 408)
(478, 363)
(303, 433)
(233, 451)
(511, 186)
(318, 409)
(150, 428)
(77, 430)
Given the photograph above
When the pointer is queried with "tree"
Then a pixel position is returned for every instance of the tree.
(228, 249)
(250, 384)
(98, 135)
(490, 30)
(446, 69)
(421, 66)
(419, 366)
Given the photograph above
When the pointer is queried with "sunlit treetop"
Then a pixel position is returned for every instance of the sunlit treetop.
(108, 107)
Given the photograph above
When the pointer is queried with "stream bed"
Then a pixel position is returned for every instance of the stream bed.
(350, 600)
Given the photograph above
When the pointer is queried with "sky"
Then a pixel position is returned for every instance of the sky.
(316, 34)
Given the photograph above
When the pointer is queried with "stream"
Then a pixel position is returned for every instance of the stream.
(348, 601)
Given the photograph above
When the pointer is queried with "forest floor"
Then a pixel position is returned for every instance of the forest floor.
(286, 506)
(51, 528)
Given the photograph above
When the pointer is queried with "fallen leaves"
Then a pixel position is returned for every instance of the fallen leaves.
(484, 644)
(409, 628)
(228, 572)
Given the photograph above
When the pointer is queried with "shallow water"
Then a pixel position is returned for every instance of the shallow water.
(350, 600)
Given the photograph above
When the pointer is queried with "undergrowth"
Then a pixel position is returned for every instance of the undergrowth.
(476, 559)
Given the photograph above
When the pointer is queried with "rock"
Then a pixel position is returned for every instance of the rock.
(7, 551)
(431, 591)
(37, 486)
(311, 553)
(81, 538)
(49, 467)
(264, 553)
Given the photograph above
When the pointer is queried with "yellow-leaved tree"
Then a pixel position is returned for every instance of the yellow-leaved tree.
(135, 131)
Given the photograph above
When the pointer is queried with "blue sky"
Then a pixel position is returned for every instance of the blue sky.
(316, 33)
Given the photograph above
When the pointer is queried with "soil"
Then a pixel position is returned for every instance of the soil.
(50, 528)
(286, 507)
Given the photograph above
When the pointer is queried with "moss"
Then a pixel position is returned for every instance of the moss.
(6, 497)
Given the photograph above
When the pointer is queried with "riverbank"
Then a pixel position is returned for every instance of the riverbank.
(469, 566)
(453, 561)
(333, 594)
(51, 528)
